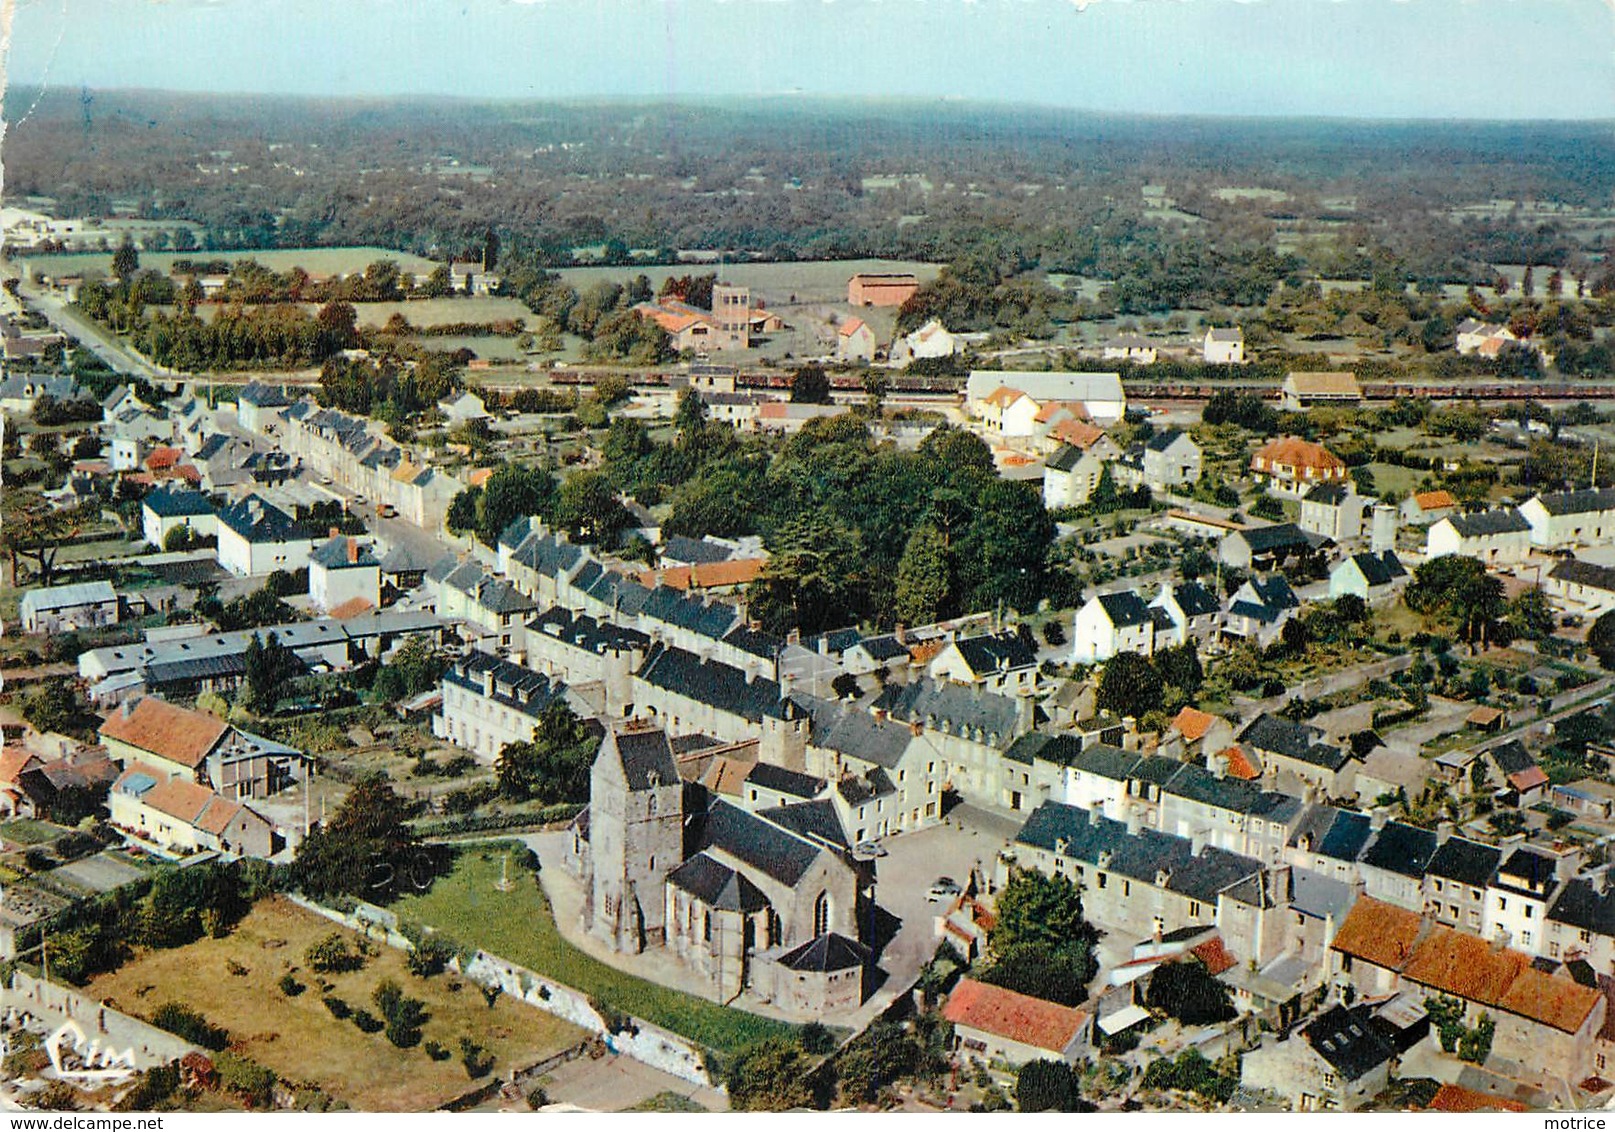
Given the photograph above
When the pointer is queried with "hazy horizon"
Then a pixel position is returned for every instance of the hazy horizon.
(1353, 60)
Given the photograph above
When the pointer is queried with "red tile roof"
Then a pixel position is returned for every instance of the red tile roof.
(177, 734)
(1470, 968)
(1017, 1017)
(1456, 1098)
(1192, 723)
(1529, 778)
(1380, 933)
(705, 575)
(15, 760)
(1294, 452)
(1241, 765)
(351, 608)
(1434, 500)
(851, 327)
(1214, 955)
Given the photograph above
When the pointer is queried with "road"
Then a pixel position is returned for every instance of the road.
(103, 343)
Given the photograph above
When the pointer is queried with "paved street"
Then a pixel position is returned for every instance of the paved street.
(102, 343)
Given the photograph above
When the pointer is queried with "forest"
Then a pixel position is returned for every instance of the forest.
(1233, 206)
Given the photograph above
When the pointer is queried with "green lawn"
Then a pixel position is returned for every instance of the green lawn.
(519, 926)
(27, 831)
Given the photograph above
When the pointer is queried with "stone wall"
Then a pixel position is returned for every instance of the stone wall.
(103, 1028)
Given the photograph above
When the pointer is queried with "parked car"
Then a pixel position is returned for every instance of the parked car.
(869, 849)
(945, 888)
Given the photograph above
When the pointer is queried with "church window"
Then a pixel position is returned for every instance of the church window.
(706, 926)
(821, 914)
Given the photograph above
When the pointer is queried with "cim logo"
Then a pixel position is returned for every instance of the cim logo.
(100, 1066)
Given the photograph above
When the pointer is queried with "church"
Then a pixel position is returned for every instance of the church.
(772, 903)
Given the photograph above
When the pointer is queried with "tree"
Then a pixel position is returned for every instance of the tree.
(810, 385)
(1048, 1086)
(554, 766)
(366, 849)
(125, 261)
(413, 668)
(1530, 615)
(1601, 639)
(270, 667)
(1460, 589)
(1179, 667)
(1041, 944)
(769, 1076)
(589, 509)
(514, 491)
(51, 707)
(1186, 991)
(923, 578)
(1349, 609)
(1129, 686)
(404, 1015)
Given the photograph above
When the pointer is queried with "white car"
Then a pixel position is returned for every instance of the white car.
(945, 888)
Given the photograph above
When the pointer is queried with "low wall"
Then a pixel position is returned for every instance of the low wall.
(104, 1029)
(647, 1044)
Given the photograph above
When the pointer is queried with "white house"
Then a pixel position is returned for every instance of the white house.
(930, 341)
(1225, 346)
(1072, 473)
(165, 508)
(1194, 611)
(62, 609)
(855, 341)
(1571, 518)
(1101, 394)
(1497, 537)
(465, 407)
(1130, 348)
(341, 570)
(1581, 585)
(1473, 334)
(1334, 510)
(1111, 623)
(1372, 577)
(256, 537)
(1171, 458)
(1425, 507)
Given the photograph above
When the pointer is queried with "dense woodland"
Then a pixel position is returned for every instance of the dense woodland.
(1016, 188)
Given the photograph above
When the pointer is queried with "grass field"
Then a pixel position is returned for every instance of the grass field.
(419, 312)
(810, 281)
(519, 926)
(299, 1038)
(315, 261)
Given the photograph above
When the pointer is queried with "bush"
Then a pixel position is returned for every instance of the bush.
(180, 1019)
(289, 986)
(1047, 1086)
(246, 1078)
(337, 1007)
(333, 955)
(367, 1021)
(430, 956)
(435, 1051)
(404, 1015)
(478, 1062)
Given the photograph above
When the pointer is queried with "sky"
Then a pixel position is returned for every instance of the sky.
(1515, 59)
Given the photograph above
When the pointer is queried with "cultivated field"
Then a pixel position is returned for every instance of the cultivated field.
(234, 981)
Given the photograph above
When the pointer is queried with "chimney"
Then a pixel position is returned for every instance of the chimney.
(1378, 816)
(1135, 821)
(1567, 864)
(1444, 832)
(900, 633)
(1197, 842)
(128, 706)
(1095, 816)
(334, 532)
(880, 715)
(1025, 714)
(1219, 765)
(353, 551)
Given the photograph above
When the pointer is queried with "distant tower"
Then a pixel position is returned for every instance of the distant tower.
(731, 310)
(1383, 534)
(636, 837)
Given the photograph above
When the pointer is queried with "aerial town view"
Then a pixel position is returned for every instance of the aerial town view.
(647, 557)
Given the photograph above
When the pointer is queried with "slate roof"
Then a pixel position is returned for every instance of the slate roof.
(1578, 573)
(1274, 591)
(1527, 872)
(1330, 494)
(717, 885)
(680, 548)
(345, 552)
(515, 687)
(1195, 600)
(883, 648)
(1164, 439)
(1061, 750)
(1379, 569)
(584, 632)
(956, 708)
(815, 819)
(1125, 608)
(171, 503)
(856, 791)
(1275, 536)
(771, 849)
(707, 619)
(258, 521)
(784, 781)
(1010, 650)
(264, 396)
(1582, 502)
(1066, 458)
(1346, 1039)
(646, 759)
(1479, 524)
(1581, 905)
(1401, 848)
(855, 732)
(1347, 835)
(1275, 734)
(1467, 862)
(719, 685)
(826, 953)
